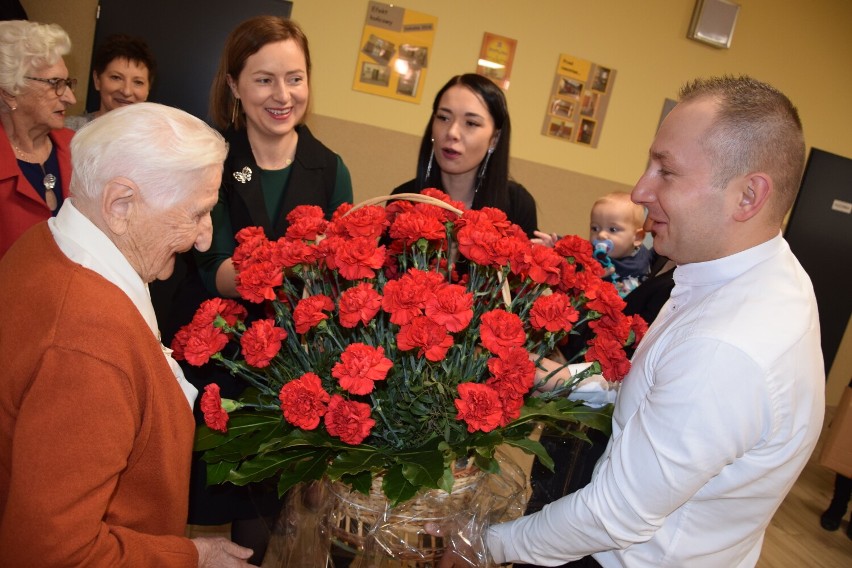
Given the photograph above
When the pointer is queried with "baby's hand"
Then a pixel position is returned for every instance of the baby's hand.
(545, 239)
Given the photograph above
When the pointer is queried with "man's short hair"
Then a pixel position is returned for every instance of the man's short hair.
(756, 128)
(161, 149)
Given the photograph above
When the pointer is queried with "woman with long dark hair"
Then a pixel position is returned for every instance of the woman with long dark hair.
(465, 151)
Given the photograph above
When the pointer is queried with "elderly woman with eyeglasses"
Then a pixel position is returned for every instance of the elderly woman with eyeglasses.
(35, 160)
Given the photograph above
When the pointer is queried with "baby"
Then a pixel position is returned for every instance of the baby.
(616, 233)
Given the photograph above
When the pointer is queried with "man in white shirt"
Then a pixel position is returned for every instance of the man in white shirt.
(725, 398)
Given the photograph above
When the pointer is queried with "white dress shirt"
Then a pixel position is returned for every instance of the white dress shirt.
(716, 419)
(84, 243)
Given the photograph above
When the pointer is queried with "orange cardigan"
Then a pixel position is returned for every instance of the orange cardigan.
(95, 433)
(21, 207)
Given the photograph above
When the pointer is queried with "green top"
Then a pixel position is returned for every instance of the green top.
(271, 182)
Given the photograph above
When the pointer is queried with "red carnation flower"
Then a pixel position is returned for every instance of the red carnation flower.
(360, 258)
(639, 327)
(303, 401)
(500, 330)
(257, 282)
(261, 342)
(365, 222)
(250, 234)
(230, 310)
(479, 406)
(476, 241)
(305, 212)
(309, 312)
(254, 251)
(553, 313)
(545, 265)
(360, 303)
(451, 307)
(348, 420)
(609, 353)
(290, 253)
(412, 226)
(406, 298)
(616, 326)
(306, 228)
(513, 371)
(360, 366)
(179, 342)
(211, 405)
(572, 246)
(422, 333)
(203, 343)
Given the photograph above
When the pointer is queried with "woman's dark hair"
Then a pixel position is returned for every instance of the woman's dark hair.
(120, 46)
(246, 40)
(494, 189)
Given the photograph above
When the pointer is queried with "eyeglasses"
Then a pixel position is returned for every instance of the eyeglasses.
(59, 85)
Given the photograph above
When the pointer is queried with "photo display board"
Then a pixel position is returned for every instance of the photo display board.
(394, 52)
(578, 101)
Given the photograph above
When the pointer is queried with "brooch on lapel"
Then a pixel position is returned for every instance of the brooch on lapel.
(244, 175)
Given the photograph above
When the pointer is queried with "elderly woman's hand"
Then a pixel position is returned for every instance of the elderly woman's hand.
(220, 552)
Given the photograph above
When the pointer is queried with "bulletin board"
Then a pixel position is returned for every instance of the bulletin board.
(578, 101)
(394, 52)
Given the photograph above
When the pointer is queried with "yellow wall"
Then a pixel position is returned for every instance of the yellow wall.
(803, 48)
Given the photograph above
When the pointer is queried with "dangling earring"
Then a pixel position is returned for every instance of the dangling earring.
(431, 157)
(481, 174)
(235, 113)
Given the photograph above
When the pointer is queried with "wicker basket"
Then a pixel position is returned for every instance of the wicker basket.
(364, 525)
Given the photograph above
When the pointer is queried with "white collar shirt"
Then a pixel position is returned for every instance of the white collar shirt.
(717, 417)
(85, 244)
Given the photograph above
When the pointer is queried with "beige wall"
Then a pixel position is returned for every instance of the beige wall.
(804, 48)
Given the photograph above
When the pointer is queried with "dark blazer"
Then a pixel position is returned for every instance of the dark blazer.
(314, 171)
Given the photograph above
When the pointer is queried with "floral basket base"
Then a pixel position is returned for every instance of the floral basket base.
(366, 524)
(327, 524)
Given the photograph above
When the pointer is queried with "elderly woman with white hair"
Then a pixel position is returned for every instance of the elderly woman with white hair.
(35, 90)
(96, 425)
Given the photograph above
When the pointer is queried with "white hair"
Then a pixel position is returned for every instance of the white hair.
(25, 46)
(163, 150)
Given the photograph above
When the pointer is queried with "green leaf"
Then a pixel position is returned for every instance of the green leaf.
(534, 447)
(354, 461)
(267, 465)
(238, 425)
(362, 481)
(218, 472)
(306, 470)
(425, 472)
(396, 488)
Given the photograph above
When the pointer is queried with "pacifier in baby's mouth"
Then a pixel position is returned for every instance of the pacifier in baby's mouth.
(602, 248)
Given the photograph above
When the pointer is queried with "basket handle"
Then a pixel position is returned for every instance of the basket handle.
(416, 197)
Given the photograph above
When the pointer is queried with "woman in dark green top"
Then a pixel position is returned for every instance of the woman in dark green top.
(259, 100)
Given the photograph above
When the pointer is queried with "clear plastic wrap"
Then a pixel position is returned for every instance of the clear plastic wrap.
(326, 524)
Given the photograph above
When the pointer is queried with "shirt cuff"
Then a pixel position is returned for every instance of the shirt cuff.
(494, 545)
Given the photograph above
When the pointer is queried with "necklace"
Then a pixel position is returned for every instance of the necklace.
(49, 180)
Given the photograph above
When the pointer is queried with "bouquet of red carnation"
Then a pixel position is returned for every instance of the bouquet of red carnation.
(395, 340)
